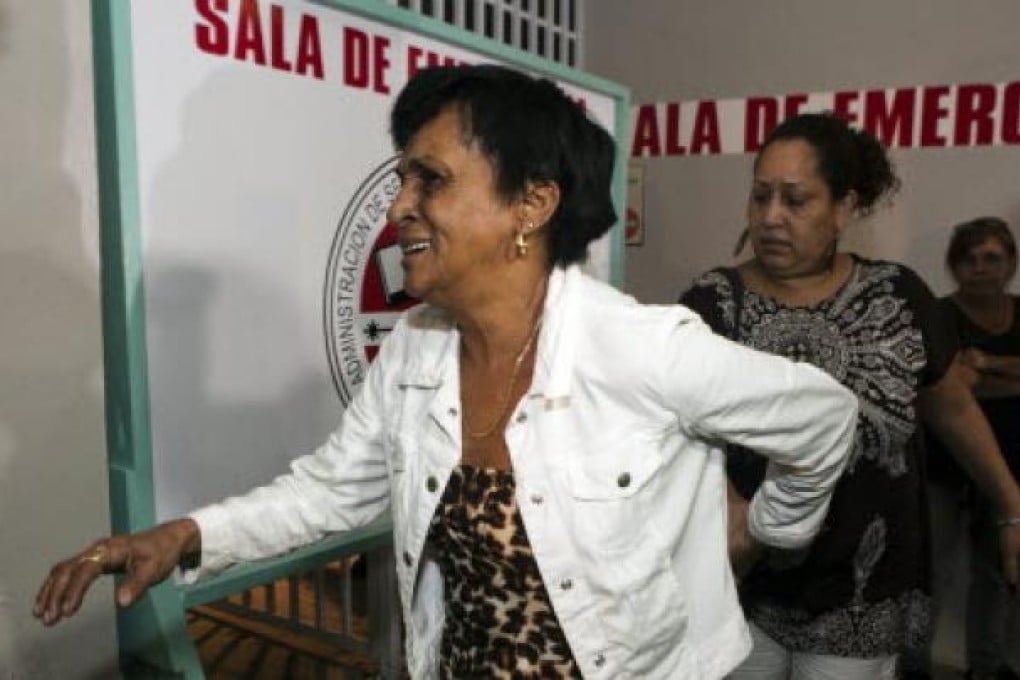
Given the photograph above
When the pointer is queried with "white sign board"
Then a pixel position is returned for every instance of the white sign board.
(264, 170)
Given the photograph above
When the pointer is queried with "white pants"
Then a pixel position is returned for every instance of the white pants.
(769, 660)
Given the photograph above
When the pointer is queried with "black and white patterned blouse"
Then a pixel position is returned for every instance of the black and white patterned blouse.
(860, 590)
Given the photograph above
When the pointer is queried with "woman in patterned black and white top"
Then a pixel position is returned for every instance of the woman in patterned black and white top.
(845, 606)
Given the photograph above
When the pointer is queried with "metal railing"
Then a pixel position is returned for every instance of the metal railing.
(313, 603)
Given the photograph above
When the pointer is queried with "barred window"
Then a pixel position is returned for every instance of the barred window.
(548, 28)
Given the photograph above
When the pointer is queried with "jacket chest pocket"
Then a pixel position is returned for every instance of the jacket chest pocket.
(412, 426)
(612, 493)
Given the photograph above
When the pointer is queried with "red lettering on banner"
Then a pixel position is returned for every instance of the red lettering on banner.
(761, 115)
(355, 57)
(415, 56)
(961, 115)
(673, 145)
(249, 34)
(889, 122)
(214, 36)
(381, 63)
(793, 103)
(365, 60)
(646, 132)
(1011, 114)
(309, 48)
(974, 106)
(844, 105)
(279, 59)
(706, 128)
(933, 111)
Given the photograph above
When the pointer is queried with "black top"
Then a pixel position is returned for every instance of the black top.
(860, 589)
(1003, 413)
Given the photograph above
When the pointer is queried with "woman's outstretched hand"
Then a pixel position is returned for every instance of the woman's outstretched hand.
(145, 558)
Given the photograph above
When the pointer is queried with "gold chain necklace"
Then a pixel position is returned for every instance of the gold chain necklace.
(505, 405)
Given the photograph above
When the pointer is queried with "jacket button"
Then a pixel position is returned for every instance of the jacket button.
(432, 484)
(408, 560)
(566, 584)
(623, 481)
(600, 660)
(451, 411)
(536, 499)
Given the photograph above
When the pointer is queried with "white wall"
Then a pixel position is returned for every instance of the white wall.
(672, 50)
(53, 485)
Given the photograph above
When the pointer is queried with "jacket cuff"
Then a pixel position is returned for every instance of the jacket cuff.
(215, 529)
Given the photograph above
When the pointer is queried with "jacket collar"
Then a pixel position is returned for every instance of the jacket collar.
(432, 360)
(433, 338)
(557, 342)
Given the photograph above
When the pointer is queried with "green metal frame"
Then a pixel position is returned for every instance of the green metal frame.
(152, 633)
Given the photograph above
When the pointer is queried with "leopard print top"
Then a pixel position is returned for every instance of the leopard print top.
(499, 621)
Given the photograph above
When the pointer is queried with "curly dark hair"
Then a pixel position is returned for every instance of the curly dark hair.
(848, 159)
(531, 132)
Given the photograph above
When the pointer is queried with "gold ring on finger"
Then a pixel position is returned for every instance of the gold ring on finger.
(98, 555)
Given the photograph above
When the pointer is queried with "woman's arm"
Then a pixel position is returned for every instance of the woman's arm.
(344, 484)
(993, 364)
(950, 410)
(794, 414)
(997, 376)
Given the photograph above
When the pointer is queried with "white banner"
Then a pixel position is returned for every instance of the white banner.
(928, 116)
(264, 172)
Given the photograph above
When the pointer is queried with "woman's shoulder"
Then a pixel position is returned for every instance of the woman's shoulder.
(608, 308)
(715, 286)
(874, 270)
(717, 279)
(877, 264)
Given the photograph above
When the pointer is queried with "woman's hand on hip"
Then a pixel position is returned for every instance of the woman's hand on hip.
(744, 549)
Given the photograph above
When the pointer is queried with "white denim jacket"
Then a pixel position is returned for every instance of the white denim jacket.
(617, 456)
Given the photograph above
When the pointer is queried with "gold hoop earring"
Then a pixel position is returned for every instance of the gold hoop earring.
(521, 242)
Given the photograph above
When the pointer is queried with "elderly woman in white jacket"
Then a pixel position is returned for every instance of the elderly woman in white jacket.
(550, 450)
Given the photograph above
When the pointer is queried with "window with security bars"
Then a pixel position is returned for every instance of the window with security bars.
(548, 28)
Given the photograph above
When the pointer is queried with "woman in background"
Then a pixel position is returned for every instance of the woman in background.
(982, 258)
(845, 606)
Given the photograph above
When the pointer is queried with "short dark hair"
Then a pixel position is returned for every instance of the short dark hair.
(848, 159)
(531, 132)
(971, 233)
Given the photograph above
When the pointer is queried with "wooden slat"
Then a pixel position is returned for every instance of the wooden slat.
(308, 646)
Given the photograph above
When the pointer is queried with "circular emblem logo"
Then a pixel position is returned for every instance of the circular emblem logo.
(364, 293)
